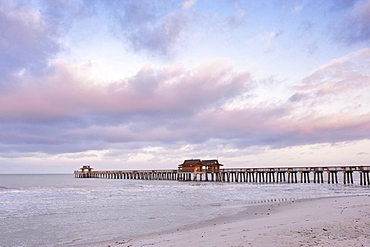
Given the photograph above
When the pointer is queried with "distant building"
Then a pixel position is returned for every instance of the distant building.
(86, 167)
(199, 165)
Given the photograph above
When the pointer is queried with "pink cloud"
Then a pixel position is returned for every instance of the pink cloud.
(61, 112)
(341, 76)
(62, 94)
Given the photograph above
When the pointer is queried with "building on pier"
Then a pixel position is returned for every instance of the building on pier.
(85, 172)
(86, 167)
(199, 165)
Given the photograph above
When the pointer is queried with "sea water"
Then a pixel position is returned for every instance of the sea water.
(60, 210)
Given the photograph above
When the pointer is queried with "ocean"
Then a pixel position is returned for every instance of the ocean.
(60, 210)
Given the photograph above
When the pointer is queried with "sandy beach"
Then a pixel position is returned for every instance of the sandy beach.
(336, 221)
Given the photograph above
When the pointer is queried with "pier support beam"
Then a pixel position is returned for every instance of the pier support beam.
(305, 177)
(292, 177)
(347, 177)
(318, 177)
(364, 178)
(333, 175)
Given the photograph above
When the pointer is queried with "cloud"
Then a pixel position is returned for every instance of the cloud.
(343, 4)
(53, 109)
(238, 19)
(362, 153)
(149, 26)
(340, 76)
(270, 37)
(297, 9)
(65, 113)
(29, 37)
(27, 42)
(280, 127)
(60, 112)
(297, 97)
(188, 4)
(355, 26)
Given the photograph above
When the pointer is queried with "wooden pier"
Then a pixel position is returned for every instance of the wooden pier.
(242, 175)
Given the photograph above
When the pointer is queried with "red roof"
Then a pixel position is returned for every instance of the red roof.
(198, 162)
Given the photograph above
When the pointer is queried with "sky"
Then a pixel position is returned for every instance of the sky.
(146, 84)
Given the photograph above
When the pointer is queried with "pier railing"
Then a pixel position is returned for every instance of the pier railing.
(320, 174)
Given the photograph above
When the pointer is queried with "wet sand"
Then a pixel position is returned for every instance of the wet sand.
(336, 221)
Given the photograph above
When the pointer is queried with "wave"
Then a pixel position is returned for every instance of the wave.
(5, 188)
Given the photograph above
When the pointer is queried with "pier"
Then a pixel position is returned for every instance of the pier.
(349, 174)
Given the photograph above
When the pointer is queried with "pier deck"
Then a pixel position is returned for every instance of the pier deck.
(247, 175)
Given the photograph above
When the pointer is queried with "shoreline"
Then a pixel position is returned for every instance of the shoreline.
(329, 221)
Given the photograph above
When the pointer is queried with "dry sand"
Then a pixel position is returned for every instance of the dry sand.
(338, 221)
